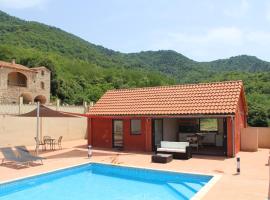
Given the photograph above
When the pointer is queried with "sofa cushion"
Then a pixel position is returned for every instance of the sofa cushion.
(171, 150)
(174, 145)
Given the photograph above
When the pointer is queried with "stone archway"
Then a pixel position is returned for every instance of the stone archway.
(17, 79)
(40, 98)
(27, 98)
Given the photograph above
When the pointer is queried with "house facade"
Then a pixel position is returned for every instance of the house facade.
(209, 115)
(32, 84)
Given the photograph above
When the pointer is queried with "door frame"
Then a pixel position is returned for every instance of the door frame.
(113, 145)
(153, 132)
(225, 136)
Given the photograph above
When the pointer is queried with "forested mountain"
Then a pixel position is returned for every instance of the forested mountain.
(84, 71)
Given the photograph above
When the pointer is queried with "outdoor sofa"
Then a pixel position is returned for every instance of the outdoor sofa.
(179, 150)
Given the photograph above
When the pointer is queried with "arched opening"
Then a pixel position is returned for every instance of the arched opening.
(42, 85)
(40, 98)
(27, 98)
(17, 79)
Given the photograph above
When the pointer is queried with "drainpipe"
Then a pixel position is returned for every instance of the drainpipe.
(90, 132)
(233, 136)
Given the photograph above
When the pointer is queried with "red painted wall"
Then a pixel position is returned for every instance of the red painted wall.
(240, 122)
(89, 131)
(134, 142)
(100, 134)
(148, 135)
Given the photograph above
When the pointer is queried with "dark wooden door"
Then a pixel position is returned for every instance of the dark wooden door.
(118, 133)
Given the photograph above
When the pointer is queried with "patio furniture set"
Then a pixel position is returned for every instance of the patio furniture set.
(169, 150)
(51, 142)
(23, 157)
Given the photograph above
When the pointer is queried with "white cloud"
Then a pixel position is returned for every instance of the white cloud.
(221, 35)
(216, 43)
(259, 37)
(226, 35)
(238, 11)
(22, 4)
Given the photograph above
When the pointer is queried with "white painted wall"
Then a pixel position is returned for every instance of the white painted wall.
(22, 130)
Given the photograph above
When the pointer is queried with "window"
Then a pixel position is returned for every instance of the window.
(135, 126)
(17, 79)
(188, 125)
(42, 73)
(208, 124)
(42, 85)
(118, 126)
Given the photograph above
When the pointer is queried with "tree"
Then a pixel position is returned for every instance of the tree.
(257, 116)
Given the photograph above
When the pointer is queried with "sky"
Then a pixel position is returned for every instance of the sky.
(202, 30)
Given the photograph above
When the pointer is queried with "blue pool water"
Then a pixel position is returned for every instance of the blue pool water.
(105, 182)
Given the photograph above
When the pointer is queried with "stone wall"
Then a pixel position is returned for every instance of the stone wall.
(11, 93)
(43, 75)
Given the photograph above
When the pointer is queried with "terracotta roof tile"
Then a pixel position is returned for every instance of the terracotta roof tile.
(203, 98)
(15, 66)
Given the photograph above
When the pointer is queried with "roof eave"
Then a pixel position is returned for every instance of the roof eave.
(19, 69)
(164, 115)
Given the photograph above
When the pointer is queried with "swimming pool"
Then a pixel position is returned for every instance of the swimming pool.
(102, 182)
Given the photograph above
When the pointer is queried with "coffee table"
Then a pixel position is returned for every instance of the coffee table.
(162, 158)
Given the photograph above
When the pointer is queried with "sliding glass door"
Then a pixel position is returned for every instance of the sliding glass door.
(157, 131)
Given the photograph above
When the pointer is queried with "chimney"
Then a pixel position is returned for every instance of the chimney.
(13, 61)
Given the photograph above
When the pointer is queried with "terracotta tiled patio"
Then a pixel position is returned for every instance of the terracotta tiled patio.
(253, 183)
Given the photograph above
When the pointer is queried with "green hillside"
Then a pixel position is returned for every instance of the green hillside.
(84, 71)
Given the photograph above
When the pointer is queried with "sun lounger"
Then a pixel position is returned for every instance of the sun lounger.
(24, 153)
(9, 155)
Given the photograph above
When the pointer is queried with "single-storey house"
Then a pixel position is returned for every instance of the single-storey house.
(209, 115)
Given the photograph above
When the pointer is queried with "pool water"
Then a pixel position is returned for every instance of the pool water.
(105, 182)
